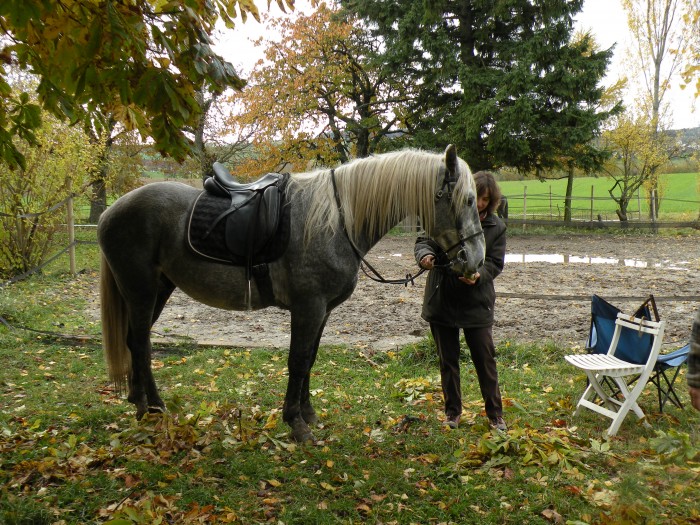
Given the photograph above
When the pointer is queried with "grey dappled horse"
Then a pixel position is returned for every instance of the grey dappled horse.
(145, 257)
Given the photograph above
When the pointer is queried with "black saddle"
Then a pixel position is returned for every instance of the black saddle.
(223, 183)
(240, 224)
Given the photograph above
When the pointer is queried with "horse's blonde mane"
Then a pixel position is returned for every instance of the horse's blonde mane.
(377, 192)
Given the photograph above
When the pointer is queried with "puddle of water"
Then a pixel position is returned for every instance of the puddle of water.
(558, 258)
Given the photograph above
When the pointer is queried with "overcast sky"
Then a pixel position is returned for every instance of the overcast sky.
(604, 18)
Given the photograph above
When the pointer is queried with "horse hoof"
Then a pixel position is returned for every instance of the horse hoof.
(310, 418)
(156, 410)
(305, 437)
(301, 432)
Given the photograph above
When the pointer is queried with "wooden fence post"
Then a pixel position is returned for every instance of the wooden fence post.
(592, 186)
(71, 226)
(639, 205)
(524, 206)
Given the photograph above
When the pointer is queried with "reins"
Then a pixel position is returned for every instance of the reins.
(366, 267)
(370, 271)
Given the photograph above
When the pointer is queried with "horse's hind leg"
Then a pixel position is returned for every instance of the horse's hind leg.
(145, 298)
(308, 413)
(165, 290)
(142, 386)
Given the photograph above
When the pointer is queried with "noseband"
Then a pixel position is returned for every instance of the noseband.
(462, 244)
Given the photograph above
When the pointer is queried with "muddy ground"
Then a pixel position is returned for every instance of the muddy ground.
(537, 301)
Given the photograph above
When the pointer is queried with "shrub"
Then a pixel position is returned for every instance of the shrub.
(31, 199)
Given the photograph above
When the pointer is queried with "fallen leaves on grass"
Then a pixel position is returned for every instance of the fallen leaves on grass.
(34, 458)
(553, 447)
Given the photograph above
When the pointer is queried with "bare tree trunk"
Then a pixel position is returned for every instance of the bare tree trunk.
(569, 193)
(622, 212)
(98, 202)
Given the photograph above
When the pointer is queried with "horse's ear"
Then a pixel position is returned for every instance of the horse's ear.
(451, 159)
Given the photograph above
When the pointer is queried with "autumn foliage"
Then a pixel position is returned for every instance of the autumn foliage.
(317, 98)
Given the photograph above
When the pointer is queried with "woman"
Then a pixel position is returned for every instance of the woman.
(453, 302)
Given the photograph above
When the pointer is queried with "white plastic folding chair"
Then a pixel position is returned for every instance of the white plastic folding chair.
(599, 366)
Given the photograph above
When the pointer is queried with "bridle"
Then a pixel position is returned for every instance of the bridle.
(448, 183)
(372, 273)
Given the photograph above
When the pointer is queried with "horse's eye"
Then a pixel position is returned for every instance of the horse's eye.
(470, 201)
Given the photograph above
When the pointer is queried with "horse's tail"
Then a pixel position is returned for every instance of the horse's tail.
(114, 327)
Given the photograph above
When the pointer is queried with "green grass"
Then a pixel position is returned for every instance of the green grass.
(680, 197)
(70, 447)
(71, 451)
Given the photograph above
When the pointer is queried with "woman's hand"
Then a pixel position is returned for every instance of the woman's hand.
(427, 262)
(472, 281)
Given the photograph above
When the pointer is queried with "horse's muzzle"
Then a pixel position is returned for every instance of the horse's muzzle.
(467, 265)
(470, 256)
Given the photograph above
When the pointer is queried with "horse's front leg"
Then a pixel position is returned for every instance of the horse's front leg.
(308, 413)
(307, 410)
(307, 327)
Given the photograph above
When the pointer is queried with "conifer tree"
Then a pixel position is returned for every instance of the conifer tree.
(503, 80)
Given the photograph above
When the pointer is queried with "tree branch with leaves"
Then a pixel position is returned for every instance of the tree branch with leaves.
(140, 61)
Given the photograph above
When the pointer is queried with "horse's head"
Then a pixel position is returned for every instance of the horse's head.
(457, 228)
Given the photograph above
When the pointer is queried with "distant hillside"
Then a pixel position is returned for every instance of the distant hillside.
(689, 139)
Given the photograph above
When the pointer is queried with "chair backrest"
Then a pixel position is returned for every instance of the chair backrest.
(633, 347)
(626, 325)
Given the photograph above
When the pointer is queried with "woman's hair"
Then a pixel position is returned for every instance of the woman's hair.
(486, 183)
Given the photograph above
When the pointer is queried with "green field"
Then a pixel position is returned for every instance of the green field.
(680, 197)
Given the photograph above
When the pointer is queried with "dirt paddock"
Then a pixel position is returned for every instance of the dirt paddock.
(537, 300)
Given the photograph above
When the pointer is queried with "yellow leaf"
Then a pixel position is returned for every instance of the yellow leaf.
(274, 482)
(271, 421)
(327, 486)
(552, 515)
(330, 463)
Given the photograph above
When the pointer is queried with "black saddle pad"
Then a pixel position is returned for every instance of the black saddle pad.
(204, 213)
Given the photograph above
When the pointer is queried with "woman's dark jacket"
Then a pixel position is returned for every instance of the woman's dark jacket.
(449, 301)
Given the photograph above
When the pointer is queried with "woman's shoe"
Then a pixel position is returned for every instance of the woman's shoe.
(498, 423)
(452, 421)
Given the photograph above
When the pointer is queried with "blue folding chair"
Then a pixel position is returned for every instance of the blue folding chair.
(603, 315)
(668, 363)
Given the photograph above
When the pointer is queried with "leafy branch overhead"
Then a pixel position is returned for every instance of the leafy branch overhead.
(141, 61)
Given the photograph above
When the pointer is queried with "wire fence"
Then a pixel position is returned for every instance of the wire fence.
(59, 249)
(595, 212)
(591, 212)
